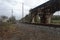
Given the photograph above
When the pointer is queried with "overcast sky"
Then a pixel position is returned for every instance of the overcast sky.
(6, 7)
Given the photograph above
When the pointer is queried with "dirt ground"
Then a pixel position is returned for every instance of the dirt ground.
(28, 32)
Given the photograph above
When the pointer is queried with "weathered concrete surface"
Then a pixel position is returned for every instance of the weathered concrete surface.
(34, 32)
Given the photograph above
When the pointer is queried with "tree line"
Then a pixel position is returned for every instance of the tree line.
(11, 19)
(56, 17)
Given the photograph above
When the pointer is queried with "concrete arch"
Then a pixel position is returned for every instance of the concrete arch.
(46, 11)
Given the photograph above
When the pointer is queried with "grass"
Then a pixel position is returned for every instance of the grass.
(6, 30)
(55, 21)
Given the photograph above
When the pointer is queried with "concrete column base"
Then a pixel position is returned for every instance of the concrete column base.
(45, 19)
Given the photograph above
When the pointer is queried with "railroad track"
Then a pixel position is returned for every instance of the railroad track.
(49, 25)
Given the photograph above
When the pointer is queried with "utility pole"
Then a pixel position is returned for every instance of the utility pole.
(22, 11)
(12, 12)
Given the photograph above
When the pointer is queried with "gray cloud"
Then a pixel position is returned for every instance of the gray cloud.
(34, 3)
(6, 7)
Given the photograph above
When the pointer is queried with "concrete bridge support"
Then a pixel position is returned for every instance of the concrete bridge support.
(45, 19)
(34, 19)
